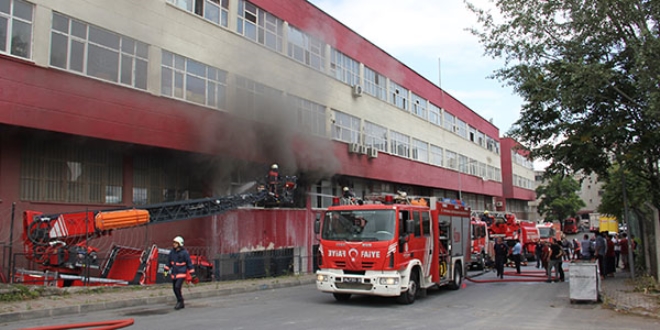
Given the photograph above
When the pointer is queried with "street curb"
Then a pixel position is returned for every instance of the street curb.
(109, 305)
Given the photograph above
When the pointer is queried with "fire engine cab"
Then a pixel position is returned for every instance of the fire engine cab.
(392, 249)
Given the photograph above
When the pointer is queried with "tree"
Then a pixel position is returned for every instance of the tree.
(612, 201)
(588, 72)
(559, 199)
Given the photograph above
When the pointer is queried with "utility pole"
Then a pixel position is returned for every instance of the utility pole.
(631, 261)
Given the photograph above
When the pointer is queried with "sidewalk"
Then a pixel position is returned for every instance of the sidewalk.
(76, 300)
(619, 294)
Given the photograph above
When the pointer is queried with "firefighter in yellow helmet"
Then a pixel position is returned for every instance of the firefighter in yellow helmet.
(273, 179)
(178, 265)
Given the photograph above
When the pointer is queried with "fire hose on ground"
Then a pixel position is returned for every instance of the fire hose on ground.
(525, 276)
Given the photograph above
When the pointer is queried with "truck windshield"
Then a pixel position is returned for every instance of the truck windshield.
(546, 232)
(362, 225)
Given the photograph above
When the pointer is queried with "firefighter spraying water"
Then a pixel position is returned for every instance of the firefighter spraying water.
(59, 243)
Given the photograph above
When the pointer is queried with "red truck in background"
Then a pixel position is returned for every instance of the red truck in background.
(549, 230)
(509, 228)
(570, 226)
(392, 249)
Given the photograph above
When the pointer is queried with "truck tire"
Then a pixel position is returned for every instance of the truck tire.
(342, 296)
(409, 296)
(458, 278)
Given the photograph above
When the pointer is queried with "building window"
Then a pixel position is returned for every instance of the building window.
(436, 156)
(260, 26)
(435, 114)
(420, 151)
(461, 128)
(346, 127)
(84, 48)
(375, 136)
(186, 79)
(452, 159)
(344, 68)
(215, 11)
(399, 96)
(70, 173)
(400, 144)
(257, 101)
(375, 84)
(449, 121)
(492, 145)
(306, 49)
(159, 178)
(310, 116)
(418, 106)
(481, 139)
(16, 28)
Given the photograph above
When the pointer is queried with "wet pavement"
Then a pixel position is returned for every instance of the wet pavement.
(618, 293)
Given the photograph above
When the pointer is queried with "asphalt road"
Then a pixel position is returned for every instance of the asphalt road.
(503, 305)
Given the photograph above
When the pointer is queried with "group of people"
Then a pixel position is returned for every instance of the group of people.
(610, 252)
(551, 256)
(502, 254)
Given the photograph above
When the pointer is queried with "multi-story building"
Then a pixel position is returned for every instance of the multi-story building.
(108, 104)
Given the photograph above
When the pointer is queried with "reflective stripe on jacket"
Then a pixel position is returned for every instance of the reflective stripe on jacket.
(178, 263)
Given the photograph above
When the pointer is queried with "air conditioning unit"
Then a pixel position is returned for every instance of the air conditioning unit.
(498, 204)
(363, 149)
(354, 148)
(357, 90)
(372, 152)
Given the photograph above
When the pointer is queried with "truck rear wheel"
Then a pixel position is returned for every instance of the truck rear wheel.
(342, 296)
(458, 278)
(409, 296)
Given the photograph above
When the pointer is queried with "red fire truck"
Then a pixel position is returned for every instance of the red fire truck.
(392, 249)
(480, 243)
(570, 226)
(509, 228)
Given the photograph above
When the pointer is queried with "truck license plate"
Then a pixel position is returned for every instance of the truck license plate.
(351, 280)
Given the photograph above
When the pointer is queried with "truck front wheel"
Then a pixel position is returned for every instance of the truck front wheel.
(458, 278)
(409, 296)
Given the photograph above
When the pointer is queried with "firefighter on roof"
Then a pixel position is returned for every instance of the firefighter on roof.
(273, 179)
(178, 265)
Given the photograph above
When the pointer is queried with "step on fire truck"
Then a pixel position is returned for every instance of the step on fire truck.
(396, 249)
(59, 243)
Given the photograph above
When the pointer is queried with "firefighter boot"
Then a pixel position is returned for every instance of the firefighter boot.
(179, 305)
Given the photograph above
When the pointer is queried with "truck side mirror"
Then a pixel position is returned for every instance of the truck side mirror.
(410, 226)
(317, 224)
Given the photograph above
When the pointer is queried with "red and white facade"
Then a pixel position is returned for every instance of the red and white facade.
(107, 104)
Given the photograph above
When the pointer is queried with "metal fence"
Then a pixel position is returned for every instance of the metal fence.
(224, 267)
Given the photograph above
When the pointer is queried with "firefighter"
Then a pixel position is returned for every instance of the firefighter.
(273, 179)
(486, 218)
(178, 265)
(501, 254)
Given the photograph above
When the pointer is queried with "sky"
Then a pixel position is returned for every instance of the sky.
(430, 37)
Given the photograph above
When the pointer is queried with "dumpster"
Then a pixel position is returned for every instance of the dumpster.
(584, 281)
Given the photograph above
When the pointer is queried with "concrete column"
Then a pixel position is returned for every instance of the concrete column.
(41, 29)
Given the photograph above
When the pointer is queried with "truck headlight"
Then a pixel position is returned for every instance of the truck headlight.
(388, 281)
(321, 278)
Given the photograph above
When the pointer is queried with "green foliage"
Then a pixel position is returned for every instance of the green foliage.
(588, 72)
(559, 198)
(20, 293)
(636, 192)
